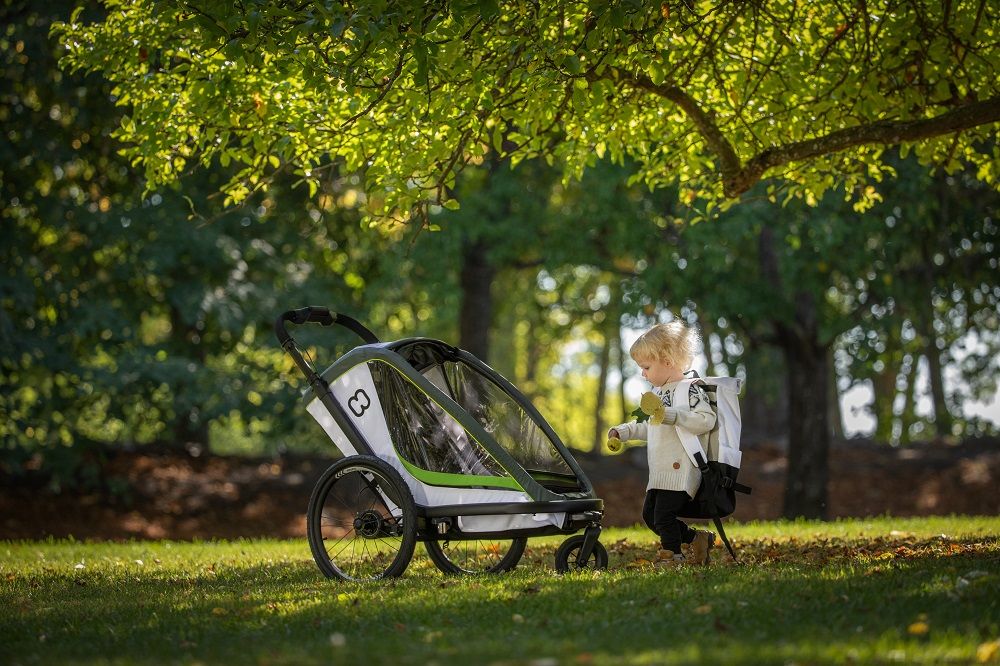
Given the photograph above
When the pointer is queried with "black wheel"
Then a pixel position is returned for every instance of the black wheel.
(476, 556)
(568, 556)
(361, 520)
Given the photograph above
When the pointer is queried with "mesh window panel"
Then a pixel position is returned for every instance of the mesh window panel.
(423, 433)
(503, 418)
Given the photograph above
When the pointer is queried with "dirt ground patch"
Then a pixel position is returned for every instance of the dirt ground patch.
(172, 495)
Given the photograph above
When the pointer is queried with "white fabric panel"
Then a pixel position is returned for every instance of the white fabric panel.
(355, 391)
(519, 521)
(324, 418)
(441, 495)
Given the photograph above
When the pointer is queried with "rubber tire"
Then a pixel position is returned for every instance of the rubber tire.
(570, 549)
(399, 489)
(447, 566)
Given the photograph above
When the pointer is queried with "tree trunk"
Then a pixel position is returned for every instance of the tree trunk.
(908, 415)
(620, 359)
(883, 399)
(533, 355)
(188, 434)
(935, 372)
(190, 427)
(925, 324)
(604, 363)
(807, 365)
(809, 430)
(833, 400)
(476, 314)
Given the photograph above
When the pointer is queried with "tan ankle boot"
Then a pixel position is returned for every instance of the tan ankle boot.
(668, 558)
(701, 547)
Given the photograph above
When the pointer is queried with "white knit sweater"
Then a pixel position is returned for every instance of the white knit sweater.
(669, 466)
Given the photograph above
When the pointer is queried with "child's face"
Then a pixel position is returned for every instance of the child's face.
(659, 372)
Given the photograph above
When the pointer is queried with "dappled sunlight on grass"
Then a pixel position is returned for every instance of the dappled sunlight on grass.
(862, 592)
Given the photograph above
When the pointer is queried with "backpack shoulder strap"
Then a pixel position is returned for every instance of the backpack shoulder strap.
(725, 539)
(690, 442)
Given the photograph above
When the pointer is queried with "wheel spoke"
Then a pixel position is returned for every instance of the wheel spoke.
(347, 543)
(354, 533)
(476, 556)
(360, 555)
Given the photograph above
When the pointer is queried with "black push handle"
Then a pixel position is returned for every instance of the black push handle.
(317, 314)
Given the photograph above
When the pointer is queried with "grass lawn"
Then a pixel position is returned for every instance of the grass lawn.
(860, 591)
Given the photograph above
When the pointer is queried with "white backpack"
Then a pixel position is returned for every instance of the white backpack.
(716, 496)
(724, 439)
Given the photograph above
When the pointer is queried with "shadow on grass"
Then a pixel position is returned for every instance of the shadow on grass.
(865, 604)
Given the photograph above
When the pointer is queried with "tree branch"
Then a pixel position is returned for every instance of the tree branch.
(884, 132)
(738, 178)
(729, 162)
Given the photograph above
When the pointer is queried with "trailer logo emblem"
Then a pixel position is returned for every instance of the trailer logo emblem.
(359, 402)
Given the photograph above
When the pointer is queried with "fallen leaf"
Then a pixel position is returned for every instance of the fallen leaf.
(988, 651)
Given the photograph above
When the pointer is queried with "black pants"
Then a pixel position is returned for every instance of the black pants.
(659, 512)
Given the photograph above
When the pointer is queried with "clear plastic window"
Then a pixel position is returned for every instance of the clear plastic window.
(423, 433)
(502, 417)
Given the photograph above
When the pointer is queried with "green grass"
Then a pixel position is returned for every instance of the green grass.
(858, 591)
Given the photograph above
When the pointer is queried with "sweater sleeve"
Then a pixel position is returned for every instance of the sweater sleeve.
(701, 417)
(632, 431)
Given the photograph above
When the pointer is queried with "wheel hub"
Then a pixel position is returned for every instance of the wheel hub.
(369, 524)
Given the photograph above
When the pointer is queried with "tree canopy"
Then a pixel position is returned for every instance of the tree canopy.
(713, 96)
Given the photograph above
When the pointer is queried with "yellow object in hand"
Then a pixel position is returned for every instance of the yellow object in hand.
(614, 444)
(651, 404)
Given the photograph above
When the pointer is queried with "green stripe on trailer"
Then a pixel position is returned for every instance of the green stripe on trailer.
(461, 480)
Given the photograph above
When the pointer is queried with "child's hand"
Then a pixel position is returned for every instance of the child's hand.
(652, 405)
(614, 441)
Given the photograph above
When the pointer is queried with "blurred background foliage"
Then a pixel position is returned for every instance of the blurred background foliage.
(133, 319)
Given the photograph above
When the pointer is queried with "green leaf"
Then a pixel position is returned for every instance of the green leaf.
(639, 415)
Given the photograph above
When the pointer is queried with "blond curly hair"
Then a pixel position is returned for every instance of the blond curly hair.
(674, 342)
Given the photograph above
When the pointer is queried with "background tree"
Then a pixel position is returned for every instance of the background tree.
(123, 319)
(923, 301)
(711, 95)
(801, 278)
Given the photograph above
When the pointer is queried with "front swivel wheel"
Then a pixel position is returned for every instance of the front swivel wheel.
(568, 556)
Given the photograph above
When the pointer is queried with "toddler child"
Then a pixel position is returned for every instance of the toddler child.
(663, 353)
